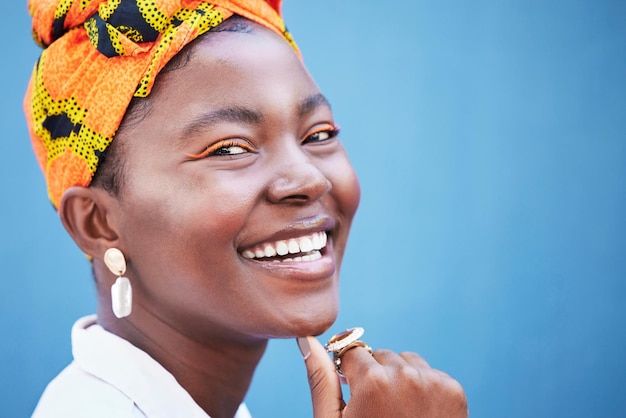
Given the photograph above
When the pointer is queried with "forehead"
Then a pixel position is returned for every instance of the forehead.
(252, 68)
(255, 70)
(226, 59)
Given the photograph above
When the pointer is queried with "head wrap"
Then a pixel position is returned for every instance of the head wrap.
(98, 55)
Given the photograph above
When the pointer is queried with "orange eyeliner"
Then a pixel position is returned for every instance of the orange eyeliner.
(222, 144)
(333, 128)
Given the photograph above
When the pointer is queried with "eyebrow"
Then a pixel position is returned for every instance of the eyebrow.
(205, 121)
(247, 116)
(311, 103)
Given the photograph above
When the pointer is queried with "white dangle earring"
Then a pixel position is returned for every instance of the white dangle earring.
(121, 291)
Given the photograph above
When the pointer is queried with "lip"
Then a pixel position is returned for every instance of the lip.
(307, 226)
(320, 269)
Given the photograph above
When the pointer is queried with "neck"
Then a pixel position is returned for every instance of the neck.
(214, 370)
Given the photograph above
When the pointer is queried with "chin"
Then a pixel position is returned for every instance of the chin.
(314, 324)
(304, 324)
(308, 315)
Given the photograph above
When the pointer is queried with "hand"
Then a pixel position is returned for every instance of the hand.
(382, 385)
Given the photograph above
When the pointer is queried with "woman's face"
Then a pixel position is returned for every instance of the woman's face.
(236, 163)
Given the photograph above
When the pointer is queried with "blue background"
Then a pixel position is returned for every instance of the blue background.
(490, 140)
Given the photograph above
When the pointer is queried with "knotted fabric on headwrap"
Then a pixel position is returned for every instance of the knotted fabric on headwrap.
(98, 55)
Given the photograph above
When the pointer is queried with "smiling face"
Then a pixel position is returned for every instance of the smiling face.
(238, 196)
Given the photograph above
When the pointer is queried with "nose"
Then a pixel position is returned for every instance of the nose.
(298, 181)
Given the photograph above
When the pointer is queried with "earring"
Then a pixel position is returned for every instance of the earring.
(121, 291)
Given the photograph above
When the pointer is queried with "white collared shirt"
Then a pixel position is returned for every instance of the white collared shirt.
(111, 378)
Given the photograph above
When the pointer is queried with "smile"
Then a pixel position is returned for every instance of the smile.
(305, 248)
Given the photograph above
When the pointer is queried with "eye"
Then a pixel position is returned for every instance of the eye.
(229, 149)
(224, 148)
(321, 134)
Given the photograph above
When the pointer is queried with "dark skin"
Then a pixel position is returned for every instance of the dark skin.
(237, 153)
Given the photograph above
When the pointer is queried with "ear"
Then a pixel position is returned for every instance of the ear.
(86, 215)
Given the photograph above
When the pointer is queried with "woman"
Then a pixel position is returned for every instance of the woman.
(214, 201)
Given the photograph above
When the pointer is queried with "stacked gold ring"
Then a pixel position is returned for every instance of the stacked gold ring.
(339, 344)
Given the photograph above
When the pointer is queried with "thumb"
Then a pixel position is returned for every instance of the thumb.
(323, 380)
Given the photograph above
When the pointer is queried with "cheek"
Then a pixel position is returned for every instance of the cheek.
(185, 232)
(189, 219)
(346, 187)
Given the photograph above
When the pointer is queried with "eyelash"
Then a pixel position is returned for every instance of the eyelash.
(213, 149)
(331, 130)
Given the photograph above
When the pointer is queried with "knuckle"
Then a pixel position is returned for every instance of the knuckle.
(376, 377)
(382, 353)
(410, 374)
(455, 387)
(411, 354)
(415, 359)
(436, 382)
(453, 391)
(457, 394)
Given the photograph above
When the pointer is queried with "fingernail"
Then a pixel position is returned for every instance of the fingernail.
(303, 345)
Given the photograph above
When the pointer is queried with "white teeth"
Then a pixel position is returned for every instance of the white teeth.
(317, 241)
(293, 246)
(282, 248)
(306, 244)
(315, 255)
(270, 251)
(307, 247)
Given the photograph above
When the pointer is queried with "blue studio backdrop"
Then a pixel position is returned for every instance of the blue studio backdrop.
(490, 141)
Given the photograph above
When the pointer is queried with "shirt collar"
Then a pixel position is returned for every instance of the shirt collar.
(133, 372)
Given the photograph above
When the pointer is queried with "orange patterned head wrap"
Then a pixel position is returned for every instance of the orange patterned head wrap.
(98, 55)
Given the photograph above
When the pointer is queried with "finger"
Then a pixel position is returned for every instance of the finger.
(323, 380)
(389, 358)
(356, 363)
(414, 359)
(398, 368)
(449, 382)
(455, 392)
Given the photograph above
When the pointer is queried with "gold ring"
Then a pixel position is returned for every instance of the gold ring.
(340, 344)
(337, 355)
(343, 339)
